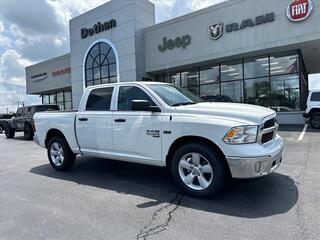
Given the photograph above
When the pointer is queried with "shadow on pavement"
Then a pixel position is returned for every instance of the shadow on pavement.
(275, 194)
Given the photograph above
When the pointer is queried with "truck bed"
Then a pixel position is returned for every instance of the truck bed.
(62, 120)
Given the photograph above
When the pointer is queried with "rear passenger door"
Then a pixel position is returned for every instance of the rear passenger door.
(94, 125)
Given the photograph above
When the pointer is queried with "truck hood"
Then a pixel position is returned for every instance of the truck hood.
(242, 113)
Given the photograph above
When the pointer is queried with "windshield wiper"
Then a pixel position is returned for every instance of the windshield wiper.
(182, 104)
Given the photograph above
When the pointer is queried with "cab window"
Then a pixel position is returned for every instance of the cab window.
(100, 99)
(129, 93)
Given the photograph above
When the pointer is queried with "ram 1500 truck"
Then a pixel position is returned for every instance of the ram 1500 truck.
(164, 125)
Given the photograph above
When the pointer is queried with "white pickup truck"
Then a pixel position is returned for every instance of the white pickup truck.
(164, 125)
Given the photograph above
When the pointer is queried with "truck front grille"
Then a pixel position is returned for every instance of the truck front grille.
(269, 123)
(267, 137)
(268, 130)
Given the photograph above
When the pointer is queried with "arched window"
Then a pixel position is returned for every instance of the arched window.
(100, 65)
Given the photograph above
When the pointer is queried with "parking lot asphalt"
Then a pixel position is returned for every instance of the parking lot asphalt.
(103, 199)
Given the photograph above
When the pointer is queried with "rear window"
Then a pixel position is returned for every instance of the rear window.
(47, 108)
(99, 99)
(315, 97)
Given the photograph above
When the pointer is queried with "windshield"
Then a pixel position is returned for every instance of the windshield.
(174, 95)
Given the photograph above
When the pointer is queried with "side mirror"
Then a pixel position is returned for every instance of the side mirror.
(143, 105)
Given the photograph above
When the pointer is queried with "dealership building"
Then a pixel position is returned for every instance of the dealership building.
(256, 52)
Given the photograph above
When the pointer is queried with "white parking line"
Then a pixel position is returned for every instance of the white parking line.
(303, 132)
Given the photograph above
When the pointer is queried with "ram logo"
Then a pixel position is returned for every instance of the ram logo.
(216, 30)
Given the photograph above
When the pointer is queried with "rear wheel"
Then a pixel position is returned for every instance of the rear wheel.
(1, 129)
(28, 132)
(9, 132)
(60, 155)
(199, 170)
(315, 120)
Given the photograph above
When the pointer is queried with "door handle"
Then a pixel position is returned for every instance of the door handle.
(83, 119)
(120, 120)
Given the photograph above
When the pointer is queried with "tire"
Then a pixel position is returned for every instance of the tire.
(184, 165)
(315, 120)
(1, 129)
(28, 132)
(9, 132)
(60, 155)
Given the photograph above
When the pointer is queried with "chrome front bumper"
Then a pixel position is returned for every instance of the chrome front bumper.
(254, 167)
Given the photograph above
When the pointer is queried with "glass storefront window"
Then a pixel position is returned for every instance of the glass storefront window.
(209, 75)
(256, 67)
(257, 91)
(175, 78)
(53, 98)
(272, 80)
(45, 99)
(232, 90)
(67, 96)
(231, 71)
(61, 98)
(285, 92)
(211, 90)
(283, 63)
(190, 80)
(68, 105)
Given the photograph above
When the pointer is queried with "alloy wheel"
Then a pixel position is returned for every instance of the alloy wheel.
(195, 171)
(56, 153)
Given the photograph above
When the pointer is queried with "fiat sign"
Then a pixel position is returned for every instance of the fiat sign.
(299, 10)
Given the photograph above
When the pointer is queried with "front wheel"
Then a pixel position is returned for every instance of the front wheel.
(199, 170)
(1, 129)
(315, 120)
(60, 155)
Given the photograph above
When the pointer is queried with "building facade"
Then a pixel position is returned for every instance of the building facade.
(258, 53)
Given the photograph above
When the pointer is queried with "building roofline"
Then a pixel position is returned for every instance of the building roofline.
(193, 14)
(57, 58)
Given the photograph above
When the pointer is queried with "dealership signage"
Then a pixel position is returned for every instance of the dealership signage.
(178, 42)
(250, 22)
(97, 28)
(299, 10)
(61, 72)
(39, 77)
(215, 31)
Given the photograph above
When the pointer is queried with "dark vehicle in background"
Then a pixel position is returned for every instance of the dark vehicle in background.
(216, 98)
(3, 121)
(23, 120)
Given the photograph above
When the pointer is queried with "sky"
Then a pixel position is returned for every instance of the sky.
(35, 30)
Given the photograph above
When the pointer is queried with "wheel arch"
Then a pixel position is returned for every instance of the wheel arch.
(53, 133)
(313, 110)
(194, 139)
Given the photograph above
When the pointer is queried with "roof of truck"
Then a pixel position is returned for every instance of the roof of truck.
(126, 83)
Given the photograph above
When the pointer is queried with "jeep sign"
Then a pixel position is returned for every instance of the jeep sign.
(178, 42)
(299, 10)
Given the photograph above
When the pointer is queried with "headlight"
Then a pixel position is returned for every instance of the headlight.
(240, 135)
